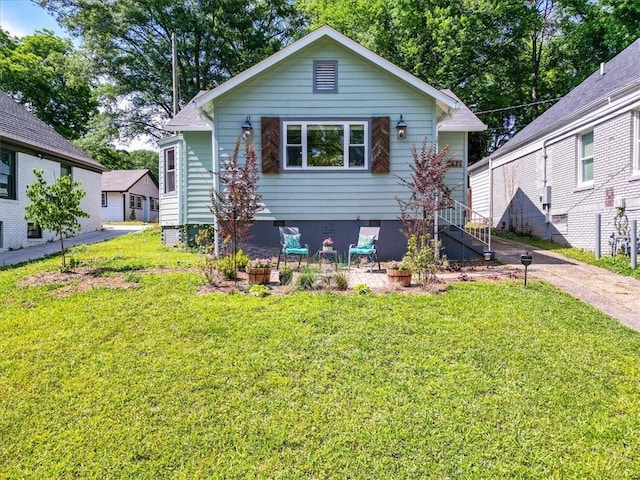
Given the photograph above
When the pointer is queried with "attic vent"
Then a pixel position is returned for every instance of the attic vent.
(325, 76)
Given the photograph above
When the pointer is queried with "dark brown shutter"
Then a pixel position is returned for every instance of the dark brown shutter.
(380, 145)
(270, 144)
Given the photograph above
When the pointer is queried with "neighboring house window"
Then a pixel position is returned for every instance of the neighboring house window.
(322, 145)
(33, 231)
(135, 201)
(65, 170)
(170, 170)
(325, 76)
(104, 199)
(7, 174)
(585, 164)
(153, 204)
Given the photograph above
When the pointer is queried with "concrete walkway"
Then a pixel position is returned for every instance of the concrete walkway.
(616, 295)
(14, 257)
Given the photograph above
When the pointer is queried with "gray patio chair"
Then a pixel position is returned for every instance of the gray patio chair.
(366, 246)
(290, 245)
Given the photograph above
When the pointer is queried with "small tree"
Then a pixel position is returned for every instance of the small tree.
(236, 200)
(428, 190)
(56, 207)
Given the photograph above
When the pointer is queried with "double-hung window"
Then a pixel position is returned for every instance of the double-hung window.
(135, 201)
(585, 162)
(170, 170)
(318, 145)
(104, 199)
(7, 174)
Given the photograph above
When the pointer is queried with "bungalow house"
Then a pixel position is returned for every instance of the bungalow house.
(27, 144)
(578, 159)
(129, 195)
(322, 97)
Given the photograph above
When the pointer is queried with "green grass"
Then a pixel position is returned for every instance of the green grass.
(619, 263)
(482, 381)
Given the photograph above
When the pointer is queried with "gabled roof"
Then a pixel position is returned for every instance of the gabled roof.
(123, 180)
(22, 128)
(462, 120)
(445, 101)
(188, 118)
(620, 73)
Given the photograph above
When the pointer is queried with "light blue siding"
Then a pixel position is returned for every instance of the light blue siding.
(364, 91)
(199, 178)
(456, 176)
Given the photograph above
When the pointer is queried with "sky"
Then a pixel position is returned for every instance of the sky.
(22, 17)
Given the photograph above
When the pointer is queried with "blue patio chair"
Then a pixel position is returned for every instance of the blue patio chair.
(290, 245)
(366, 246)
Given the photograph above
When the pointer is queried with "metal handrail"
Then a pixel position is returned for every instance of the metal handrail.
(470, 222)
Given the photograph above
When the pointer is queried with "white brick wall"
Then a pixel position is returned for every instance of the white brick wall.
(14, 225)
(612, 172)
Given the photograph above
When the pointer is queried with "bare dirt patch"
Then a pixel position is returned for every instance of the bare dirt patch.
(81, 279)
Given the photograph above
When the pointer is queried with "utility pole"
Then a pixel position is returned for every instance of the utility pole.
(174, 72)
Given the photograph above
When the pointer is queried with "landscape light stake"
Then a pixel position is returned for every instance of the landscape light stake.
(526, 260)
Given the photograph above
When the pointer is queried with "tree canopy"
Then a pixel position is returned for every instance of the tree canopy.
(130, 41)
(52, 79)
(508, 60)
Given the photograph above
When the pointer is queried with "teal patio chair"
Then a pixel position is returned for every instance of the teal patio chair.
(366, 246)
(290, 245)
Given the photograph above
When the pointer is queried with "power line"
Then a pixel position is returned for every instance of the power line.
(518, 106)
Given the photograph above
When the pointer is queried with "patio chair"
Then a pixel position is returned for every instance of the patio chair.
(290, 245)
(366, 246)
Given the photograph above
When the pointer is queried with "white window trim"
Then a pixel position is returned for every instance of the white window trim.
(165, 171)
(636, 143)
(581, 181)
(345, 124)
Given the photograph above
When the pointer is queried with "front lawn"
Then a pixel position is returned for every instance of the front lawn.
(485, 380)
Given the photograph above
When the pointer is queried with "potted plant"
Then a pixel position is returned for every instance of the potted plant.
(259, 271)
(399, 273)
(327, 244)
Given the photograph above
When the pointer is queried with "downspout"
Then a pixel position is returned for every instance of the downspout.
(214, 170)
(544, 187)
(490, 200)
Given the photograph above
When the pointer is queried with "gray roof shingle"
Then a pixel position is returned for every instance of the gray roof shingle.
(123, 180)
(22, 127)
(463, 119)
(620, 72)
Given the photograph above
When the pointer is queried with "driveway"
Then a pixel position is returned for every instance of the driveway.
(616, 295)
(39, 251)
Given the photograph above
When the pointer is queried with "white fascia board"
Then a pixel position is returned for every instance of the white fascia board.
(464, 128)
(186, 128)
(172, 139)
(444, 100)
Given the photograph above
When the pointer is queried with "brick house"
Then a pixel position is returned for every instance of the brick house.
(579, 158)
(27, 144)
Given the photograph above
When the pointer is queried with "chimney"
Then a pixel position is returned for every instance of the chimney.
(602, 69)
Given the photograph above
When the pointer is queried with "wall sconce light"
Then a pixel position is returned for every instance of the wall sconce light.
(247, 128)
(401, 128)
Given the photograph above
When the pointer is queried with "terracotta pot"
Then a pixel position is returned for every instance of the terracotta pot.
(401, 277)
(259, 275)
